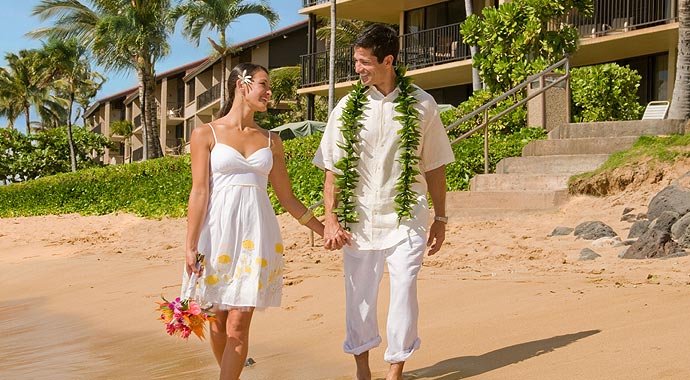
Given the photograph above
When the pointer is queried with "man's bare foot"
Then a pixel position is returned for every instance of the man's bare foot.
(395, 371)
(363, 371)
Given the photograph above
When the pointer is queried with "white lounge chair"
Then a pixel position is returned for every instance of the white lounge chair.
(656, 109)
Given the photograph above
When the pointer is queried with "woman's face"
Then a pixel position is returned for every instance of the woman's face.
(258, 91)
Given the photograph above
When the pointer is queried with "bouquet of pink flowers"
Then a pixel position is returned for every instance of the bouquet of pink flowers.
(185, 316)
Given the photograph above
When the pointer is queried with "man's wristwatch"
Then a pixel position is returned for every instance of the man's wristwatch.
(443, 219)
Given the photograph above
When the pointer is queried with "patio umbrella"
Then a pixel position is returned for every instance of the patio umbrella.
(299, 129)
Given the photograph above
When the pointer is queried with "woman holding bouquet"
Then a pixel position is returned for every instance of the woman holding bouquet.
(230, 218)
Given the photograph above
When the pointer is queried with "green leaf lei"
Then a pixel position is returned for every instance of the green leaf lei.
(409, 141)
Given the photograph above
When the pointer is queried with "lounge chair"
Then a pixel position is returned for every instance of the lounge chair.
(656, 110)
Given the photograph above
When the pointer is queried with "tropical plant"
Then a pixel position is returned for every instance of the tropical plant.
(218, 15)
(604, 93)
(122, 35)
(23, 84)
(69, 70)
(680, 103)
(346, 31)
(519, 38)
(284, 83)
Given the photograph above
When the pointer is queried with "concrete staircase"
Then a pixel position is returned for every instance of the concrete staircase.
(539, 179)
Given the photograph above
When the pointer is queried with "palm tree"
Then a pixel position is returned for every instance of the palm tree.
(122, 34)
(331, 61)
(346, 31)
(680, 104)
(70, 72)
(218, 15)
(23, 85)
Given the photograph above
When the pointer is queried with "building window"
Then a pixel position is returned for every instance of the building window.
(191, 95)
(434, 16)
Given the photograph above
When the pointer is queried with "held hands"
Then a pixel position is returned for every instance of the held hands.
(335, 237)
(437, 234)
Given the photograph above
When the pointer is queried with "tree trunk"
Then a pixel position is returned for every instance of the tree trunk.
(331, 62)
(147, 82)
(70, 140)
(476, 80)
(680, 103)
(28, 120)
(142, 97)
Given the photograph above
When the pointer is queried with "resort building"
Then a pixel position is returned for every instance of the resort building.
(640, 33)
(189, 95)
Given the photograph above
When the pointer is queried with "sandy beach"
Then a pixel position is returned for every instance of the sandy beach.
(502, 300)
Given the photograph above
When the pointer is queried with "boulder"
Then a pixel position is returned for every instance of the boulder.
(594, 230)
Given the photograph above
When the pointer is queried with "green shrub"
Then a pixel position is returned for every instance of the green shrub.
(605, 92)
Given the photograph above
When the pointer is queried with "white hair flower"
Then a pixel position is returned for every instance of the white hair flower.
(246, 79)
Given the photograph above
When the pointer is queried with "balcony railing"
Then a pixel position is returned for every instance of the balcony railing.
(309, 3)
(444, 44)
(209, 96)
(617, 16)
(417, 50)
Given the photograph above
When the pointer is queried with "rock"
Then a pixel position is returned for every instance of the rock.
(665, 221)
(680, 226)
(587, 254)
(561, 231)
(654, 243)
(249, 362)
(672, 198)
(684, 240)
(638, 228)
(629, 218)
(594, 230)
(628, 210)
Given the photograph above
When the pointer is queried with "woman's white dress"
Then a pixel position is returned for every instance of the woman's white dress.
(241, 241)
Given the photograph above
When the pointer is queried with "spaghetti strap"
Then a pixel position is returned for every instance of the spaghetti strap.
(269, 139)
(215, 139)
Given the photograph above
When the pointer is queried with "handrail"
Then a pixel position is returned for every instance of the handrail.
(485, 108)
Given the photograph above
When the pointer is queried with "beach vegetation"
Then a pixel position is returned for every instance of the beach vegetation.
(605, 93)
(121, 35)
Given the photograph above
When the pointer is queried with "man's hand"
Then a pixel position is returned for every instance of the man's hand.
(437, 234)
(335, 237)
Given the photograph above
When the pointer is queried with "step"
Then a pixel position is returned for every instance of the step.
(560, 164)
(592, 145)
(618, 128)
(457, 201)
(519, 182)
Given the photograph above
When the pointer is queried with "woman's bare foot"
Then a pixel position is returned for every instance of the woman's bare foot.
(395, 371)
(362, 362)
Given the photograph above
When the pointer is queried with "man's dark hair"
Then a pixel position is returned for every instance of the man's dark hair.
(381, 39)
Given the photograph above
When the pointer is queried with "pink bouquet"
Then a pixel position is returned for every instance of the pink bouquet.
(185, 316)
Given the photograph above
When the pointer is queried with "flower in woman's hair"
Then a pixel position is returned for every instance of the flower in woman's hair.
(246, 79)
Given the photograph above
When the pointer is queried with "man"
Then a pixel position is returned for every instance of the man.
(366, 136)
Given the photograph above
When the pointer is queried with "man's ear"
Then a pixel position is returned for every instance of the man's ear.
(388, 60)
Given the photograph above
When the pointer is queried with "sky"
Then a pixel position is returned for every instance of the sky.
(16, 21)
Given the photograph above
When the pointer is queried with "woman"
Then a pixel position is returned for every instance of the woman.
(230, 219)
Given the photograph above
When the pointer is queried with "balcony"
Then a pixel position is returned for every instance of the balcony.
(417, 50)
(309, 3)
(619, 16)
(209, 96)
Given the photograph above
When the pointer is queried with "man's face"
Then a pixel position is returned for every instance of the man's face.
(370, 70)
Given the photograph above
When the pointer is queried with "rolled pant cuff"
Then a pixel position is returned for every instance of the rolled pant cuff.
(362, 348)
(402, 355)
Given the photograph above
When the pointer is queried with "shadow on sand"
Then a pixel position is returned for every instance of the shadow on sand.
(467, 366)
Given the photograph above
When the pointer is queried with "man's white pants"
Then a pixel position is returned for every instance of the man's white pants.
(363, 273)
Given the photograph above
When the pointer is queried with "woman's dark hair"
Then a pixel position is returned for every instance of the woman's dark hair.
(381, 39)
(235, 74)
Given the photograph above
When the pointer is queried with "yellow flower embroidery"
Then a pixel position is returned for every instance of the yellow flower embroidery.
(279, 248)
(212, 279)
(224, 259)
(260, 285)
(248, 269)
(248, 244)
(261, 261)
